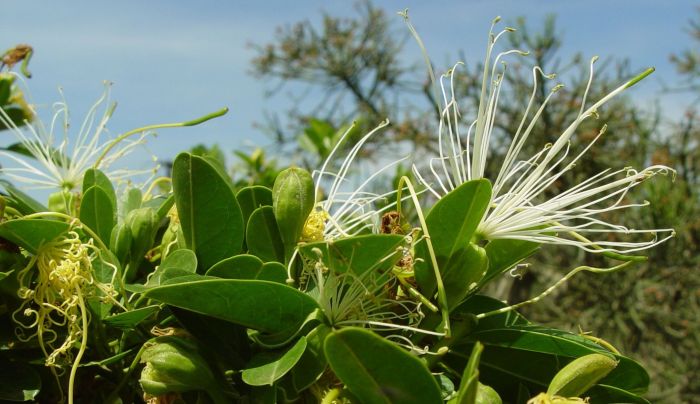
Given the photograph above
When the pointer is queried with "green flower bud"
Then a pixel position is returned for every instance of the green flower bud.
(580, 375)
(486, 395)
(120, 242)
(173, 365)
(143, 223)
(173, 239)
(292, 201)
(61, 202)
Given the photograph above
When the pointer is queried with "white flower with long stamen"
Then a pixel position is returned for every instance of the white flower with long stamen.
(519, 207)
(59, 159)
(346, 213)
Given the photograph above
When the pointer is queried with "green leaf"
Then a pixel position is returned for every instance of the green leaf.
(24, 203)
(253, 197)
(452, 223)
(378, 371)
(31, 234)
(247, 266)
(18, 381)
(263, 236)
(110, 360)
(98, 212)
(267, 367)
(105, 267)
(266, 306)
(180, 259)
(469, 385)
(313, 363)
(478, 304)
(164, 207)
(224, 341)
(608, 394)
(176, 264)
(209, 213)
(462, 274)
(96, 178)
(130, 319)
(532, 355)
(505, 254)
(359, 254)
(133, 200)
(4, 275)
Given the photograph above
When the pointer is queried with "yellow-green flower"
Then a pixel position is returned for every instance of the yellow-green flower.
(55, 287)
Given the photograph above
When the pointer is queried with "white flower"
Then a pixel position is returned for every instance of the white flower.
(519, 207)
(60, 158)
(344, 212)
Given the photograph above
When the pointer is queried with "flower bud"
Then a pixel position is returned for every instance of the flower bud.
(61, 202)
(173, 239)
(486, 395)
(120, 242)
(580, 375)
(292, 201)
(173, 365)
(143, 223)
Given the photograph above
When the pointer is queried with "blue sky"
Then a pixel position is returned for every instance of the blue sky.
(176, 60)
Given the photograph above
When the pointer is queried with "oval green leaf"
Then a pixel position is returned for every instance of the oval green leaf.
(452, 222)
(267, 367)
(263, 236)
(246, 266)
(504, 254)
(266, 306)
(377, 371)
(24, 203)
(313, 363)
(96, 178)
(178, 263)
(532, 355)
(98, 212)
(30, 234)
(130, 319)
(359, 254)
(209, 213)
(253, 197)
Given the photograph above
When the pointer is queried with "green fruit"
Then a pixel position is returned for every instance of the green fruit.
(580, 375)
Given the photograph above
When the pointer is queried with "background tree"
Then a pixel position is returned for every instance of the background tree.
(352, 69)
